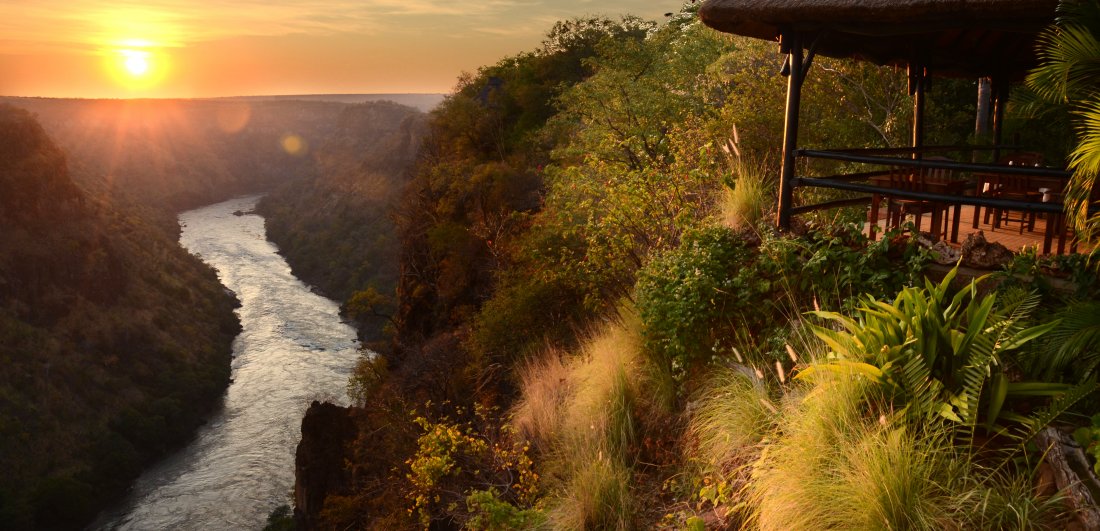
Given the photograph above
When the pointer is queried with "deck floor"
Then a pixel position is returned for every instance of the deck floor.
(1008, 235)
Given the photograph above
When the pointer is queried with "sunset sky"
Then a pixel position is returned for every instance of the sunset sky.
(201, 48)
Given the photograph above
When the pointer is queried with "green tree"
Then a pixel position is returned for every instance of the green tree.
(1069, 74)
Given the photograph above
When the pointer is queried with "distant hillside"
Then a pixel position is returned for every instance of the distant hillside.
(335, 228)
(179, 154)
(114, 341)
(423, 102)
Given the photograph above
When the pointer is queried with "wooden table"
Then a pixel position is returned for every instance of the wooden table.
(952, 187)
(1031, 185)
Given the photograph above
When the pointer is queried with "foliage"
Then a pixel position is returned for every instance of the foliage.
(1089, 439)
(115, 342)
(480, 178)
(830, 464)
(1071, 351)
(1068, 74)
(934, 356)
(334, 225)
(450, 453)
(690, 299)
(490, 513)
(714, 291)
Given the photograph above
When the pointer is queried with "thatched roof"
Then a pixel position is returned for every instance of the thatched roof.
(951, 37)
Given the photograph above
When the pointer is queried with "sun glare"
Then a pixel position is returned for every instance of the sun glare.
(137, 65)
(136, 62)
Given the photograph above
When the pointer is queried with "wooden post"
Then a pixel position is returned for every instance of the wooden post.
(981, 117)
(791, 43)
(1000, 100)
(918, 81)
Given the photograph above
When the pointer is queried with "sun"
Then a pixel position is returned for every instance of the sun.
(135, 62)
(138, 66)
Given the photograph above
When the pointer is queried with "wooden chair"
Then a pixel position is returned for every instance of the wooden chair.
(1015, 187)
(898, 207)
(940, 176)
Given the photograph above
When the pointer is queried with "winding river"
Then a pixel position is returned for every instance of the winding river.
(293, 349)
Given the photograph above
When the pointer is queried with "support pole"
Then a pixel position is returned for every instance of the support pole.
(1000, 100)
(981, 117)
(791, 43)
(918, 83)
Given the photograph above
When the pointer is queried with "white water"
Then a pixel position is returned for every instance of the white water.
(293, 349)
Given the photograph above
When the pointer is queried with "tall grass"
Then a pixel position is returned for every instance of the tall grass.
(750, 199)
(581, 412)
(733, 415)
(833, 464)
(546, 386)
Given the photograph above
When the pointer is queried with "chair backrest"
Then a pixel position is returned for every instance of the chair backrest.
(937, 174)
(902, 179)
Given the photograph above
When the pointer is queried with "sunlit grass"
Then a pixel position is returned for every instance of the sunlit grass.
(734, 414)
(581, 412)
(750, 200)
(832, 464)
(546, 385)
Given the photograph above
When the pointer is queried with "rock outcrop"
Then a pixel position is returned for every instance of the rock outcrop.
(327, 430)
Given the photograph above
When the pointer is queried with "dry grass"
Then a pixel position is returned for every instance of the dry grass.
(581, 412)
(546, 384)
(750, 201)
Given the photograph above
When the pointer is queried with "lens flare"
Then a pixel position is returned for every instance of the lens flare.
(293, 144)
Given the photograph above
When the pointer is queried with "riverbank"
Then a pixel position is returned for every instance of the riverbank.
(293, 347)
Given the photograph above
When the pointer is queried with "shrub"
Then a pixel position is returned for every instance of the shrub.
(939, 357)
(690, 299)
(453, 458)
(490, 513)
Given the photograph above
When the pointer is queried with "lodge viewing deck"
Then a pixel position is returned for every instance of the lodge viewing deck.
(993, 41)
(1008, 235)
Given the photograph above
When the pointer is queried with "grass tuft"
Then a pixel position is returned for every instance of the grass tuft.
(546, 385)
(581, 412)
(749, 200)
(733, 415)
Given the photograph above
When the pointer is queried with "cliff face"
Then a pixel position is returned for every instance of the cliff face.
(319, 470)
(115, 342)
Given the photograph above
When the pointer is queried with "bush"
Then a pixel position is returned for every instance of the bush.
(693, 299)
(457, 457)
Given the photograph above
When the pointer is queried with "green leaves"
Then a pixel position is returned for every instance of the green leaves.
(1069, 74)
(937, 355)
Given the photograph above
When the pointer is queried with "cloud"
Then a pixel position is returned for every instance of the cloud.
(92, 24)
(95, 23)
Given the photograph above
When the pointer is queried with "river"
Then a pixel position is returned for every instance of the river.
(293, 349)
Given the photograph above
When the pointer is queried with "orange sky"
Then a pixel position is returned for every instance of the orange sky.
(200, 48)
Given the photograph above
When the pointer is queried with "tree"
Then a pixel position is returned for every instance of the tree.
(1069, 74)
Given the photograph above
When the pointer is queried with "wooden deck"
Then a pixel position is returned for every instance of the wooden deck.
(1007, 235)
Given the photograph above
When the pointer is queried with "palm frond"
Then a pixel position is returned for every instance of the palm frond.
(1075, 341)
(1040, 419)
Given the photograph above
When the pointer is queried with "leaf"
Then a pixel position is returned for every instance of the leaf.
(1027, 335)
(998, 390)
(843, 367)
